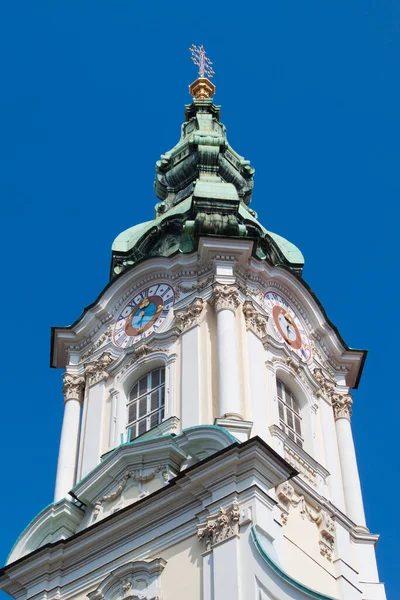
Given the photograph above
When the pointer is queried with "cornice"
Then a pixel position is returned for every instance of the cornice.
(173, 506)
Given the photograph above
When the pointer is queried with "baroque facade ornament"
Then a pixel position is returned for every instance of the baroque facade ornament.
(73, 387)
(190, 316)
(225, 297)
(95, 371)
(141, 352)
(102, 340)
(255, 321)
(341, 403)
(181, 289)
(220, 527)
(139, 580)
(137, 475)
(288, 498)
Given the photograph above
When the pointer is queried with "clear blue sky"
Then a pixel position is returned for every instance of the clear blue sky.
(92, 92)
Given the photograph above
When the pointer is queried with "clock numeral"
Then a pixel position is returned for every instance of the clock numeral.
(126, 312)
(152, 290)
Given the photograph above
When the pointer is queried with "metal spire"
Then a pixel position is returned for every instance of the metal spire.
(202, 61)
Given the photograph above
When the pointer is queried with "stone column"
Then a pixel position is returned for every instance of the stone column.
(351, 480)
(226, 300)
(73, 390)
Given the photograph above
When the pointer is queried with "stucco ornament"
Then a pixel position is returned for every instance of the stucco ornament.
(100, 342)
(138, 475)
(225, 297)
(139, 580)
(341, 403)
(182, 289)
(255, 321)
(73, 387)
(95, 371)
(190, 316)
(220, 527)
(288, 498)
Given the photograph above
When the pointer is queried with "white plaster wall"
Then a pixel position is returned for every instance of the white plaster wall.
(181, 578)
(260, 392)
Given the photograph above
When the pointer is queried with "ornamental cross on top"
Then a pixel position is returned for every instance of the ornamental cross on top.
(202, 61)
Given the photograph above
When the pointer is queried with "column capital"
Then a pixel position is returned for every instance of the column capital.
(225, 297)
(95, 371)
(341, 404)
(73, 387)
(190, 316)
(255, 321)
(220, 527)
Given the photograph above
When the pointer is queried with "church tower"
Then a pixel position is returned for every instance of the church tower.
(206, 449)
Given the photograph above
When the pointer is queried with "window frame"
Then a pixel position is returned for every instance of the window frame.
(139, 401)
(289, 413)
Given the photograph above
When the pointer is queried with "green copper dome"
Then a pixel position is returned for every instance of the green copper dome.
(204, 188)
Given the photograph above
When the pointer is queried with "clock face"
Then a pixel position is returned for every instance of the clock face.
(287, 325)
(143, 314)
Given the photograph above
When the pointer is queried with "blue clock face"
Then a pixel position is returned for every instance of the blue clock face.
(143, 314)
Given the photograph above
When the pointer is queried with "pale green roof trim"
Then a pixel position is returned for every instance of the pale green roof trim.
(128, 238)
(36, 518)
(290, 251)
(282, 574)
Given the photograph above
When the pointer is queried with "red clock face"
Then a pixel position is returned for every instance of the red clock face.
(287, 325)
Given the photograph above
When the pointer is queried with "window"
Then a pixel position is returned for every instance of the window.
(146, 403)
(289, 413)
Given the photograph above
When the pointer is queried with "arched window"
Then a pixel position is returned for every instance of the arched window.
(289, 413)
(146, 403)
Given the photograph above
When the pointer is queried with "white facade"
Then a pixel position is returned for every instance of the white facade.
(240, 489)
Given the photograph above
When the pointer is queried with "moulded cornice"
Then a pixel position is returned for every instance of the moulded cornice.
(95, 318)
(306, 303)
(61, 518)
(251, 465)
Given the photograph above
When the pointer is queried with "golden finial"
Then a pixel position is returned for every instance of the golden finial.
(202, 88)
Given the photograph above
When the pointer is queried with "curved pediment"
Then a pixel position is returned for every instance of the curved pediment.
(56, 522)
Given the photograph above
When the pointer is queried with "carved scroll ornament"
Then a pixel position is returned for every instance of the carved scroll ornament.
(341, 403)
(255, 321)
(288, 498)
(95, 371)
(190, 316)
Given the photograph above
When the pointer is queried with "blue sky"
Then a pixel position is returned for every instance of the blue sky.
(92, 92)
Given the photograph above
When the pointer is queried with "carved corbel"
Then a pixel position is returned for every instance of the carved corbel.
(255, 321)
(288, 498)
(95, 371)
(190, 316)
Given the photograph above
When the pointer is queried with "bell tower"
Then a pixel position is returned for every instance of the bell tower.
(206, 449)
